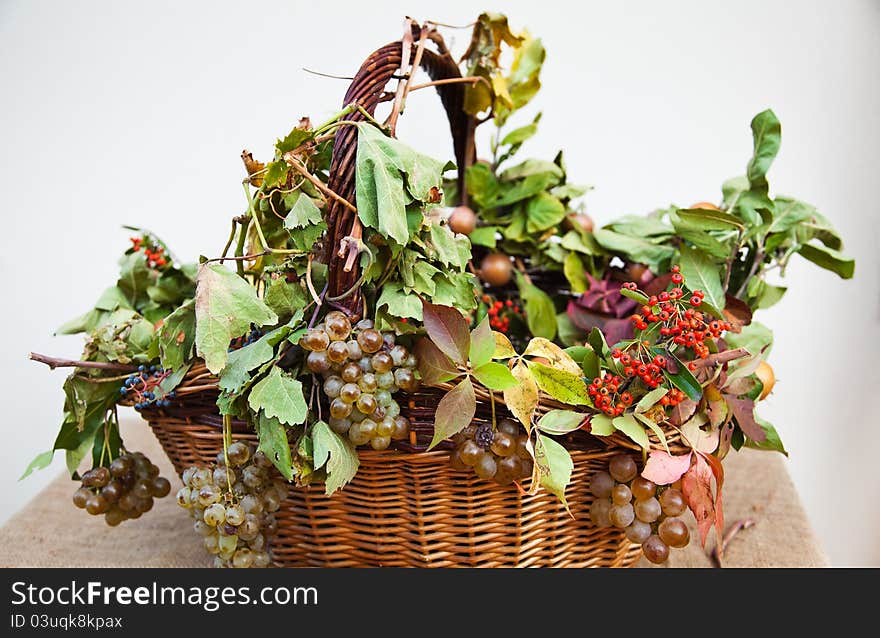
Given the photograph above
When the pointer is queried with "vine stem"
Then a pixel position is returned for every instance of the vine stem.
(53, 363)
(227, 440)
(294, 163)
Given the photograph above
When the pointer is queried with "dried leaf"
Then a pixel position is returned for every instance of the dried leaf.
(522, 399)
(448, 329)
(744, 413)
(696, 486)
(737, 312)
(454, 412)
(682, 412)
(664, 468)
(252, 166)
(699, 439)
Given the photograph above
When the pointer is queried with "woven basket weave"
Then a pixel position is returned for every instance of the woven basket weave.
(407, 508)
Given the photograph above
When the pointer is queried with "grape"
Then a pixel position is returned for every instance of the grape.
(227, 543)
(508, 426)
(340, 426)
(368, 383)
(357, 416)
(354, 350)
(239, 453)
(392, 409)
(350, 393)
(411, 361)
(370, 340)
(674, 532)
(522, 450)
(144, 505)
(385, 427)
(648, 510)
(672, 502)
(383, 398)
(332, 386)
(337, 326)
(401, 427)
(252, 477)
(249, 528)
(222, 475)
(364, 324)
(385, 380)
(96, 504)
(339, 408)
(208, 495)
(183, 497)
(622, 468)
(621, 514)
(261, 460)
(251, 504)
(485, 467)
(398, 355)
(234, 515)
(365, 365)
(188, 473)
(114, 517)
(215, 514)
(388, 340)
(201, 477)
(643, 489)
(351, 372)
(318, 362)
(638, 531)
(337, 352)
(212, 543)
(503, 444)
(511, 466)
(81, 496)
(368, 427)
(405, 379)
(357, 436)
(142, 489)
(380, 442)
(470, 452)
(315, 340)
(262, 559)
(655, 550)
(202, 528)
(243, 557)
(120, 466)
(599, 512)
(382, 362)
(601, 484)
(621, 494)
(97, 477)
(456, 462)
(366, 403)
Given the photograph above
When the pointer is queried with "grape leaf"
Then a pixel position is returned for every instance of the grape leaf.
(303, 212)
(455, 411)
(482, 344)
(448, 329)
(242, 361)
(555, 466)
(561, 385)
(398, 302)
(434, 366)
(339, 454)
(484, 236)
(664, 469)
(279, 395)
(561, 421)
(284, 298)
(495, 376)
(273, 443)
(177, 336)
(522, 399)
(226, 306)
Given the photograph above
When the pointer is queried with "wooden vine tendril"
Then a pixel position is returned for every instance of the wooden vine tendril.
(397, 59)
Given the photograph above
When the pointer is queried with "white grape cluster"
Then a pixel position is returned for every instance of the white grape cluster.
(361, 369)
(233, 505)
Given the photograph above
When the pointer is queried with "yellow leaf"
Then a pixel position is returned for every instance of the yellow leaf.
(522, 399)
(556, 357)
(503, 347)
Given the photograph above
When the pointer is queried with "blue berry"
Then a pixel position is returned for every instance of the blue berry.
(122, 390)
(142, 368)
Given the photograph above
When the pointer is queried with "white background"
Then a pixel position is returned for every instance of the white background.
(132, 112)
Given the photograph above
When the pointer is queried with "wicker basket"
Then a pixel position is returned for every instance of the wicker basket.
(405, 507)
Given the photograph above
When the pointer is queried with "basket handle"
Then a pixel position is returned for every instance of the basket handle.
(367, 90)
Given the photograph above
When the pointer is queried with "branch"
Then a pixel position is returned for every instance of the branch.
(321, 186)
(721, 357)
(718, 551)
(70, 363)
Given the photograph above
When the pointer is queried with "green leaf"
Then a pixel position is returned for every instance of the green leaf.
(634, 295)
(495, 376)
(455, 411)
(456, 289)
(399, 303)
(561, 421)
(226, 306)
(567, 332)
(575, 273)
(434, 366)
(649, 400)
(276, 174)
(703, 219)
(540, 312)
(303, 212)
(484, 236)
(171, 381)
(684, 380)
(242, 361)
(135, 277)
(584, 244)
(503, 347)
(544, 211)
(339, 454)
(296, 138)
(755, 337)
(279, 395)
(661, 435)
(628, 424)
(40, 462)
(561, 385)
(519, 135)
(448, 329)
(634, 248)
(829, 259)
(590, 364)
(177, 336)
(701, 273)
(532, 168)
(482, 344)
(555, 466)
(273, 443)
(451, 249)
(771, 442)
(767, 134)
(601, 425)
(379, 186)
(284, 298)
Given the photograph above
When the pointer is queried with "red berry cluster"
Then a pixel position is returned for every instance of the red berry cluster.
(649, 371)
(155, 255)
(499, 313)
(606, 394)
(687, 326)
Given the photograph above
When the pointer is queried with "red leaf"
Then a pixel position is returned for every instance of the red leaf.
(663, 468)
(696, 485)
(434, 366)
(682, 412)
(454, 412)
(737, 312)
(744, 413)
(448, 329)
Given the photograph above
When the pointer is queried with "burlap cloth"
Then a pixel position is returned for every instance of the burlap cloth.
(50, 532)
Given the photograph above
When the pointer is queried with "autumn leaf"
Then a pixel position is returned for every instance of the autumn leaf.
(664, 469)
(744, 413)
(561, 385)
(522, 399)
(434, 366)
(448, 329)
(556, 356)
(454, 412)
(697, 489)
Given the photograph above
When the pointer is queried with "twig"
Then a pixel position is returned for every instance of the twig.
(521, 267)
(718, 550)
(472, 79)
(405, 71)
(241, 257)
(328, 75)
(309, 283)
(53, 363)
(321, 186)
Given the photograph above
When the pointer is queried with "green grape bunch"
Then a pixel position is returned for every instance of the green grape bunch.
(361, 369)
